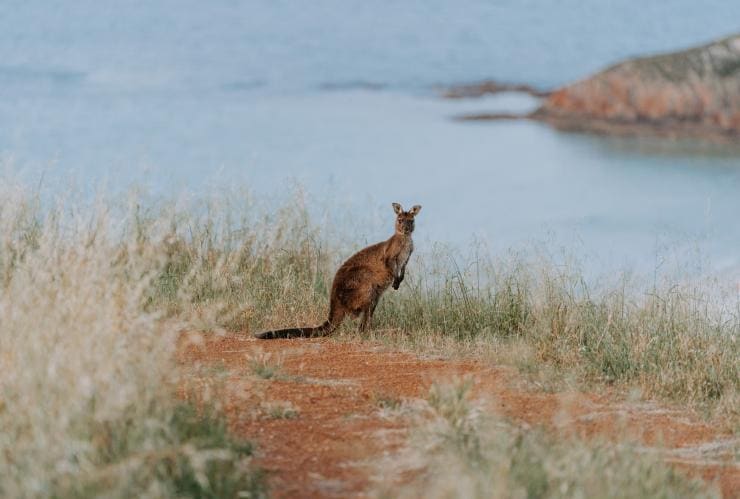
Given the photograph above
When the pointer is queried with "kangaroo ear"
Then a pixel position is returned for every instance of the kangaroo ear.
(397, 208)
(415, 210)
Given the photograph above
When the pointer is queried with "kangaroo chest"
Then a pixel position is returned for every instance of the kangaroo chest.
(404, 252)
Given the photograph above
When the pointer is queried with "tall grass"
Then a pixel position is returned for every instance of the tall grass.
(92, 297)
(246, 269)
(87, 392)
(457, 451)
(673, 340)
(235, 266)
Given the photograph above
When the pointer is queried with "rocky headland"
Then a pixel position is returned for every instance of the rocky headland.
(694, 92)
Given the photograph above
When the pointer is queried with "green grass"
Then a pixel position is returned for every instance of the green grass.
(672, 342)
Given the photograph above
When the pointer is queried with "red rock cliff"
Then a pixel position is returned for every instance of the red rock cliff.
(694, 90)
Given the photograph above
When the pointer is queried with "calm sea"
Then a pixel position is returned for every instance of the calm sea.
(340, 98)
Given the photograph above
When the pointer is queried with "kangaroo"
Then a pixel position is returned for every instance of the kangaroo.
(362, 279)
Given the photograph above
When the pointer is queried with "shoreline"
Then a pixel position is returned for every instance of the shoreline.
(676, 130)
(691, 93)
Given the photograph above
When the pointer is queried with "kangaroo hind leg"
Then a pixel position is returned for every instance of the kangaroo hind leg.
(368, 311)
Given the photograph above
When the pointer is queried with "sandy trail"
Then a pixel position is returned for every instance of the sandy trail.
(329, 449)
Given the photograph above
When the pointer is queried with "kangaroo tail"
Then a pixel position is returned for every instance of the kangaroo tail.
(296, 332)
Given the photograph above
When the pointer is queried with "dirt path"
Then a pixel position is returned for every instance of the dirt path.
(319, 424)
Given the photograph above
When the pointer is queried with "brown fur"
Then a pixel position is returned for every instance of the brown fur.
(362, 279)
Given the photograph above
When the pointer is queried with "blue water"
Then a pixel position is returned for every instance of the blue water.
(340, 96)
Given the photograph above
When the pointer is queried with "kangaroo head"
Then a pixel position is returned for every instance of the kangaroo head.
(405, 219)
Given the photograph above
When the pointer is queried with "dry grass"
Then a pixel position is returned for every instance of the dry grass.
(92, 297)
(459, 451)
(265, 366)
(87, 395)
(673, 338)
(238, 267)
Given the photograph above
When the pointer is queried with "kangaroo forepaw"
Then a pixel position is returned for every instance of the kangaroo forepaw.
(396, 283)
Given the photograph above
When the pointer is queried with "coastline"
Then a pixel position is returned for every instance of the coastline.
(672, 130)
(692, 93)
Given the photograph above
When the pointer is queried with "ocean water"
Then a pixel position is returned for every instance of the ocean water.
(341, 98)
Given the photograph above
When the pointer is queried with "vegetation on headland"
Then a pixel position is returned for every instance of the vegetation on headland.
(92, 300)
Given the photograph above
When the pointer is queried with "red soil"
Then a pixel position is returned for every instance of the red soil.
(328, 450)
